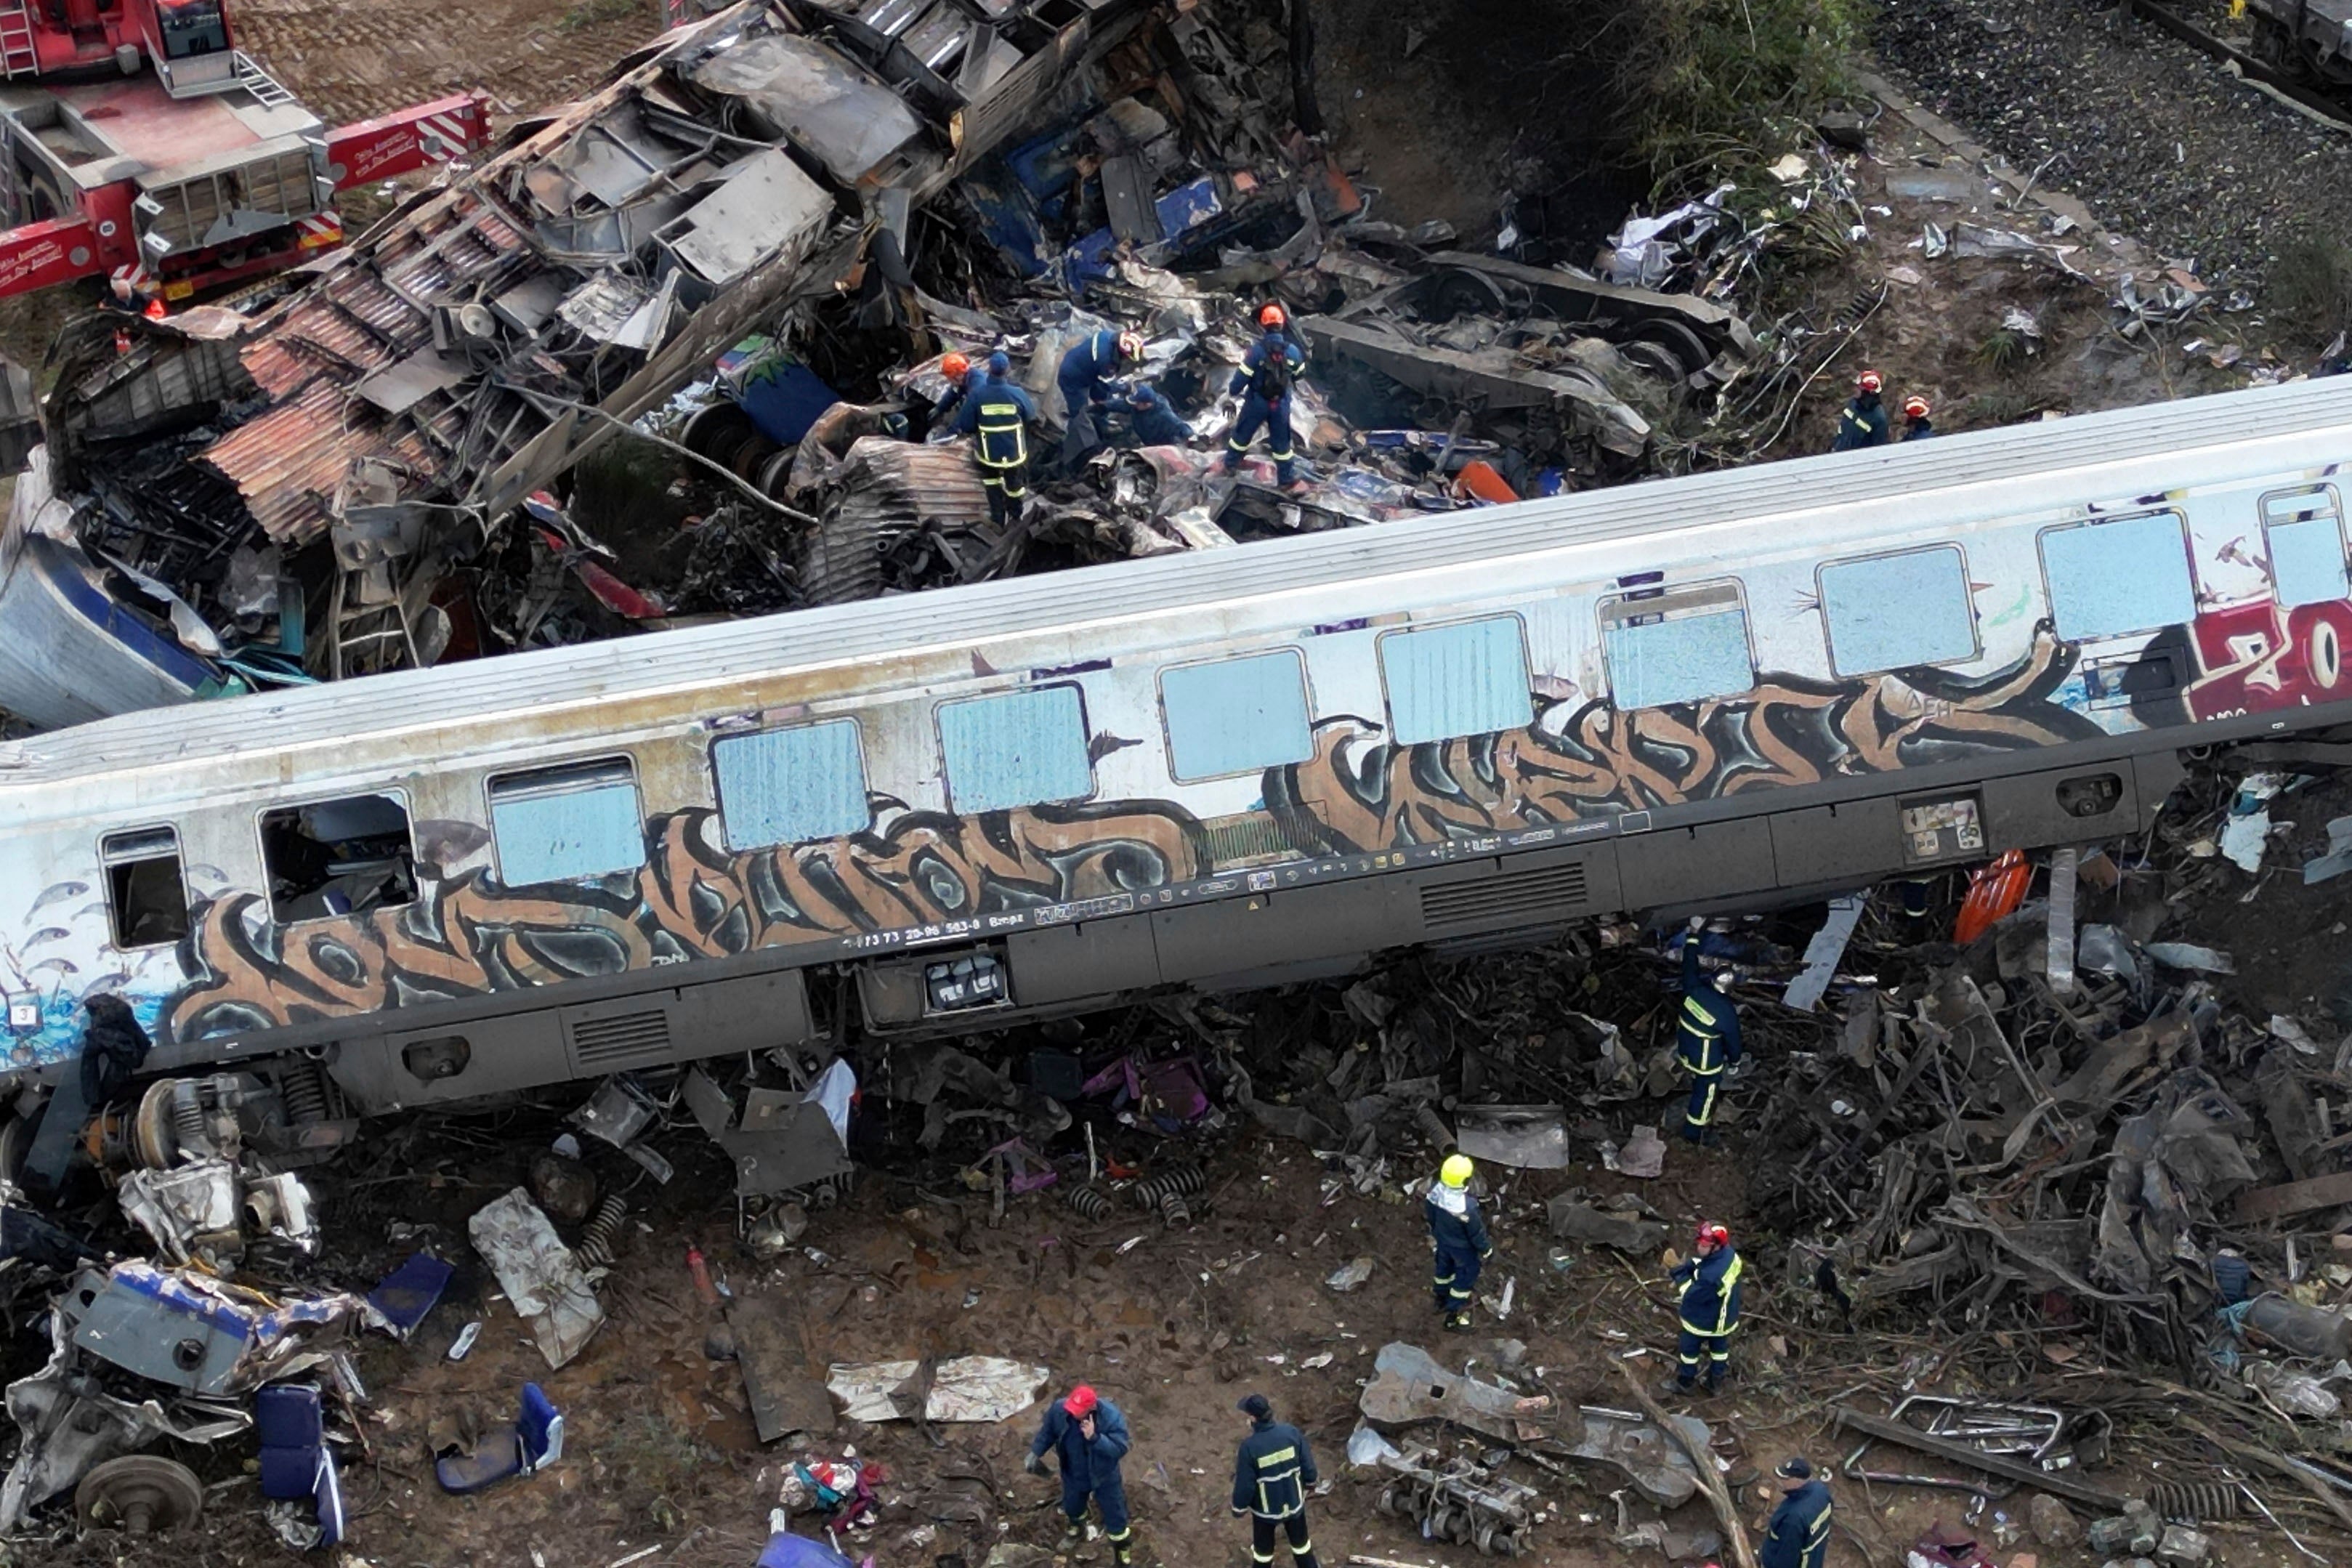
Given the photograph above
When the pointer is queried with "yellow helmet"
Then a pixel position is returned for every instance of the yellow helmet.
(1457, 1171)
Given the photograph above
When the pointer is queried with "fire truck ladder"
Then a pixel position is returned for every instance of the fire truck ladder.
(18, 57)
(264, 87)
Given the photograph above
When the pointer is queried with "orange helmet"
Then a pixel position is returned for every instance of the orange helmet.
(955, 367)
(1915, 407)
(1869, 381)
(1271, 316)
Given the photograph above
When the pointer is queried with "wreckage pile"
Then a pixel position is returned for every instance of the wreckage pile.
(348, 480)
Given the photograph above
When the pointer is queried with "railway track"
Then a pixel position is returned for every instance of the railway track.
(2252, 67)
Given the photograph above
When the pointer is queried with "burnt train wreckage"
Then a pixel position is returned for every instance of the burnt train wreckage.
(413, 390)
(1211, 769)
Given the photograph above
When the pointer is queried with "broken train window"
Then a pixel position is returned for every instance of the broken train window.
(146, 895)
(338, 856)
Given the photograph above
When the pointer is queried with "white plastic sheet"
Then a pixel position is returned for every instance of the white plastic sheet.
(969, 1388)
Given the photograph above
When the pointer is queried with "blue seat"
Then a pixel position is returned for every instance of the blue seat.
(536, 1442)
(296, 1464)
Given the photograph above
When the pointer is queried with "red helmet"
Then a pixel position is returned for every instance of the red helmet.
(1712, 1235)
(1081, 1402)
(1130, 345)
(1869, 381)
(1915, 407)
(955, 367)
(1271, 316)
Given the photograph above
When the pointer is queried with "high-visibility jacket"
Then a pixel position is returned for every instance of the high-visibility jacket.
(1709, 1297)
(1000, 413)
(1798, 1535)
(1707, 1033)
(1273, 1471)
(1863, 424)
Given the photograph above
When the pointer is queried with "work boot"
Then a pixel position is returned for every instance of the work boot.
(1676, 1388)
(1074, 1535)
(1458, 1321)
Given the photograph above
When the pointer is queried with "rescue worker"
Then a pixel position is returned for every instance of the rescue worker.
(957, 368)
(1459, 1236)
(1089, 1436)
(1706, 1038)
(1269, 372)
(999, 413)
(1272, 1473)
(1798, 1533)
(1154, 423)
(1708, 1305)
(1864, 423)
(1087, 383)
(1915, 419)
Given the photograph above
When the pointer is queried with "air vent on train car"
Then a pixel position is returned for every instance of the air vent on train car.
(603, 1044)
(1531, 897)
(1244, 838)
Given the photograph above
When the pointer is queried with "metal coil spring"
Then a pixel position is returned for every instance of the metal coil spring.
(1174, 1213)
(602, 1234)
(1184, 1181)
(2191, 1502)
(1090, 1201)
(304, 1089)
(188, 1116)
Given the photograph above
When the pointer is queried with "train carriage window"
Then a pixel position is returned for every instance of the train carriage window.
(146, 892)
(567, 824)
(338, 857)
(1023, 748)
(2304, 532)
(791, 786)
(1686, 645)
(1891, 612)
(2110, 579)
(1236, 715)
(1470, 679)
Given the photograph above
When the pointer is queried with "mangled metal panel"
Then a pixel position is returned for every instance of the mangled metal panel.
(826, 105)
(1492, 375)
(767, 208)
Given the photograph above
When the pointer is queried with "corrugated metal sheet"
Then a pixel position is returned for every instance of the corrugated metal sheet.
(288, 461)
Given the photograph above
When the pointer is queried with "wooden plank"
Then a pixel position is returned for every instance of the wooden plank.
(2295, 1197)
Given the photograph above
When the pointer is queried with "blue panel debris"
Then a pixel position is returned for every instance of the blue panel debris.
(1088, 261)
(1188, 206)
(410, 1292)
(1007, 218)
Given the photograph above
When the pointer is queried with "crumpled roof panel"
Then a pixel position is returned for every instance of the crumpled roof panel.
(288, 461)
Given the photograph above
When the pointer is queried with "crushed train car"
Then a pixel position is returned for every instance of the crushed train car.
(279, 496)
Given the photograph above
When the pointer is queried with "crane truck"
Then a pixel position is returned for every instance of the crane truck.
(141, 143)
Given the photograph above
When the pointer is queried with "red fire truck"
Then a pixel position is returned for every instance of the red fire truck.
(142, 141)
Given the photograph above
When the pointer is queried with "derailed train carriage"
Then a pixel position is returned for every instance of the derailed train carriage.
(1207, 771)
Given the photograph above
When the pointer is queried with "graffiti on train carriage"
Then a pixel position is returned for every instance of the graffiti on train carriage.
(469, 934)
(1584, 759)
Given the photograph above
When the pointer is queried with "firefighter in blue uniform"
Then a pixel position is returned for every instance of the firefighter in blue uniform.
(1916, 426)
(1086, 377)
(1271, 1475)
(998, 415)
(1708, 1304)
(1459, 1236)
(1089, 1437)
(1706, 1038)
(1154, 423)
(957, 368)
(1269, 372)
(1798, 1533)
(1864, 423)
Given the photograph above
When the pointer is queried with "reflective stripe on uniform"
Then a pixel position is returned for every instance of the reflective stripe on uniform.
(998, 419)
(1705, 1112)
(1723, 1324)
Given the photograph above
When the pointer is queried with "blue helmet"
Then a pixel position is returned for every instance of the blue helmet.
(1000, 363)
